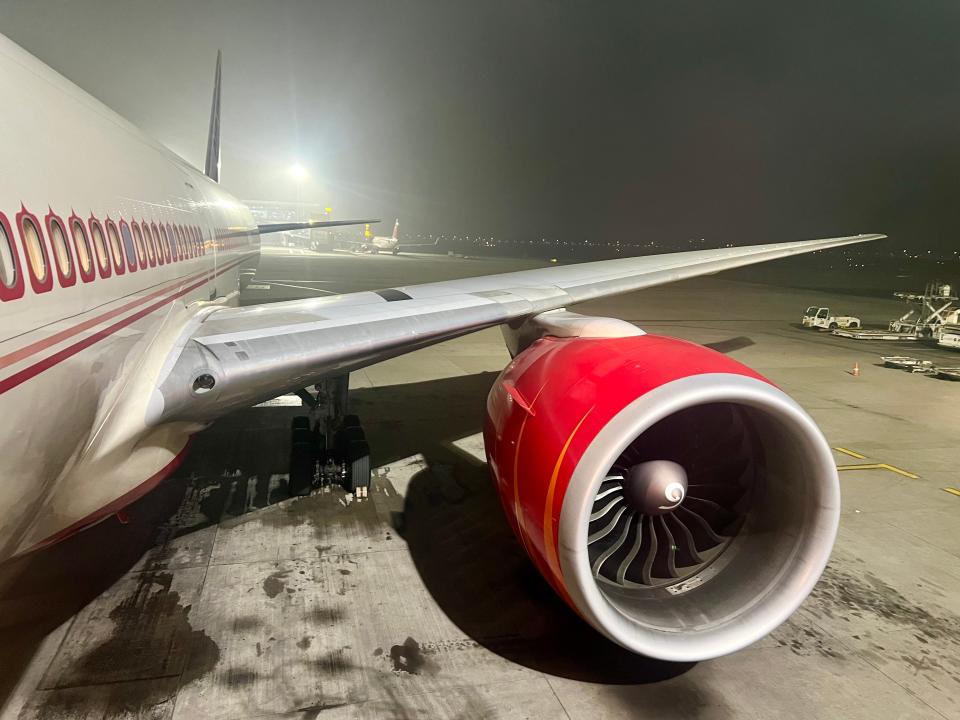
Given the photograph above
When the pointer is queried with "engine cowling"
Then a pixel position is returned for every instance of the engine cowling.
(679, 502)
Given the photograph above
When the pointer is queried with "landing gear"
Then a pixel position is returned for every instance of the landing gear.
(329, 446)
(303, 452)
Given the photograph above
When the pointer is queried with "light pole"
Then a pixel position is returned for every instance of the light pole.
(299, 174)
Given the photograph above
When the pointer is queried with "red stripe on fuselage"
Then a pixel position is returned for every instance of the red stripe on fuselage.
(35, 347)
(48, 362)
(121, 502)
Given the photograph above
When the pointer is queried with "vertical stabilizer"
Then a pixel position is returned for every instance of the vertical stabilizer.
(396, 229)
(212, 165)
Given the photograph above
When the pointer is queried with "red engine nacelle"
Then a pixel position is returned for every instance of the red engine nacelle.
(679, 502)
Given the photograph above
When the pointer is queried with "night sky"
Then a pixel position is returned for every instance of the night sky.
(737, 122)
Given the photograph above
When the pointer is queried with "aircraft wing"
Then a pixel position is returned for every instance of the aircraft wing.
(309, 225)
(229, 358)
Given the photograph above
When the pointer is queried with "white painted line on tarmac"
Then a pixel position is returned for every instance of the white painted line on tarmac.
(304, 287)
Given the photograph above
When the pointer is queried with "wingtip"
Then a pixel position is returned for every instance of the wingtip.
(861, 237)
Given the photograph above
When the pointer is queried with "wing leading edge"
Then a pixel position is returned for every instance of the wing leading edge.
(229, 358)
(309, 225)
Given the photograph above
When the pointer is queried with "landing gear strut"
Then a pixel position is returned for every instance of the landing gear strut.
(329, 446)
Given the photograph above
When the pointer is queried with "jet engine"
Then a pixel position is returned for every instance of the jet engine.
(679, 502)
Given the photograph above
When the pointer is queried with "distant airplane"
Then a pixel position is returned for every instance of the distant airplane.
(680, 503)
(375, 244)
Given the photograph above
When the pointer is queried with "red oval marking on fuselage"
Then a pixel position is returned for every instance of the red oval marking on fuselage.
(66, 280)
(15, 290)
(39, 285)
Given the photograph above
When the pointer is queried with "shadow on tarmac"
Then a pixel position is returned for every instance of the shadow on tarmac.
(468, 557)
(452, 521)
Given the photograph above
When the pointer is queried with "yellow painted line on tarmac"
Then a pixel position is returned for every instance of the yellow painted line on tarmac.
(851, 453)
(880, 466)
(952, 491)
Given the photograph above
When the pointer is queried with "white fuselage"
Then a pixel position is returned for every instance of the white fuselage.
(86, 324)
(384, 243)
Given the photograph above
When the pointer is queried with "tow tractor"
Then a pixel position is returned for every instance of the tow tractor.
(949, 335)
(820, 317)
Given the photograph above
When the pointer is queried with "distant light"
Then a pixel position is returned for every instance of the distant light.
(298, 171)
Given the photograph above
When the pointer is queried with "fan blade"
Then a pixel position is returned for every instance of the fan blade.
(665, 564)
(613, 548)
(686, 548)
(646, 572)
(632, 554)
(704, 536)
(606, 508)
(607, 529)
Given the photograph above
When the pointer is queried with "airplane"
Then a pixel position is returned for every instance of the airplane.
(374, 244)
(679, 502)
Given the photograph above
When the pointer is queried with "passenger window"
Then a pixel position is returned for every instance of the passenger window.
(155, 241)
(100, 248)
(128, 246)
(115, 250)
(168, 248)
(8, 265)
(61, 251)
(36, 254)
(143, 245)
(82, 244)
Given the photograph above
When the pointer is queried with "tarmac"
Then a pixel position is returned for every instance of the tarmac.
(216, 596)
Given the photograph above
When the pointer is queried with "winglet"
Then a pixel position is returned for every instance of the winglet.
(212, 165)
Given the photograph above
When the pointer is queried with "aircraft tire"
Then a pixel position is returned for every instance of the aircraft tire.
(301, 468)
(303, 453)
(358, 460)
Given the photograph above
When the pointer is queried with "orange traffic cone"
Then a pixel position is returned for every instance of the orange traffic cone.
(856, 370)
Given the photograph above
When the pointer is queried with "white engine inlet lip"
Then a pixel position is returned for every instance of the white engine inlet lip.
(776, 603)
